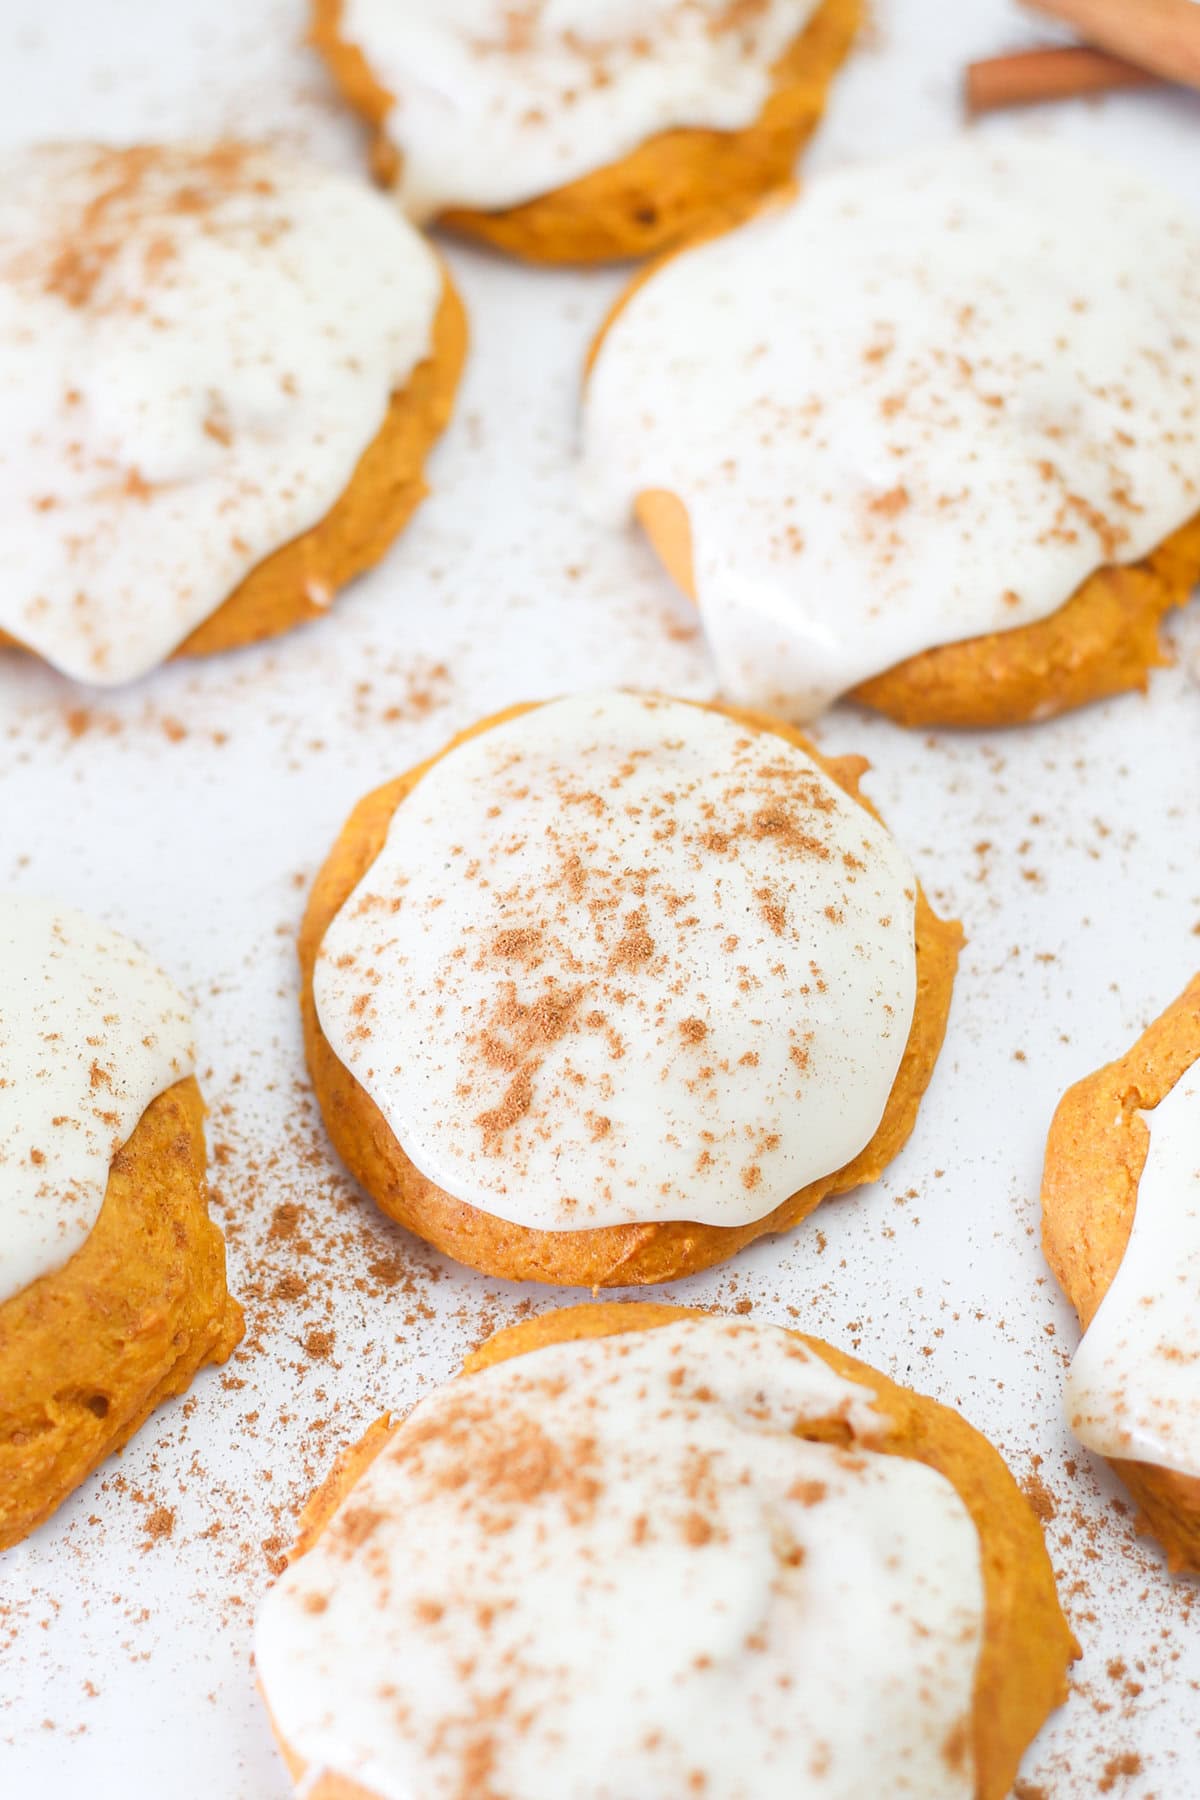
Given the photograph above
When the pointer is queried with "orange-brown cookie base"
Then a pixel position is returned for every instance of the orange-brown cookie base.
(614, 1256)
(299, 580)
(88, 1352)
(1104, 641)
(1095, 1155)
(674, 185)
(1027, 1643)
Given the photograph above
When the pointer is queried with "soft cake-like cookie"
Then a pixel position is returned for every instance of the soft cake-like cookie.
(615, 985)
(221, 370)
(585, 130)
(1121, 1230)
(112, 1277)
(928, 435)
(642, 1551)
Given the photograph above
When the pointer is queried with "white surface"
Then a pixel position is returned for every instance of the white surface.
(1069, 851)
(650, 1483)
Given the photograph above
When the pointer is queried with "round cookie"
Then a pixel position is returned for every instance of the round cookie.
(226, 369)
(112, 1275)
(1129, 1392)
(1075, 532)
(1018, 1640)
(674, 184)
(647, 1245)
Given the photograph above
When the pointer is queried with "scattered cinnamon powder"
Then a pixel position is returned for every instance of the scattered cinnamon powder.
(159, 1524)
(1116, 1768)
(496, 1120)
(154, 186)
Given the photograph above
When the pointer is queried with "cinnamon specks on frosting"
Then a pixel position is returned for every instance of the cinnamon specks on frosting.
(497, 102)
(594, 43)
(132, 202)
(632, 912)
(198, 342)
(919, 328)
(711, 1476)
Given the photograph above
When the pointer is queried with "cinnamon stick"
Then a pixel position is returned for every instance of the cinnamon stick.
(1028, 76)
(1160, 35)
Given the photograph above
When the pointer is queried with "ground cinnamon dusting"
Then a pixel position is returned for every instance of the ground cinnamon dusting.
(578, 933)
(149, 186)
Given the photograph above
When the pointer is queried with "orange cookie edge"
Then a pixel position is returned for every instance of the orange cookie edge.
(1095, 1153)
(88, 1351)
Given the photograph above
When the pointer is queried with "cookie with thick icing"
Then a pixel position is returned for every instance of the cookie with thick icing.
(585, 132)
(112, 1275)
(1121, 1230)
(223, 370)
(644, 1550)
(922, 436)
(616, 984)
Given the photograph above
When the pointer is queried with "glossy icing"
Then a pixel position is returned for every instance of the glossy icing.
(197, 343)
(496, 104)
(920, 403)
(609, 1568)
(90, 1033)
(1133, 1391)
(625, 959)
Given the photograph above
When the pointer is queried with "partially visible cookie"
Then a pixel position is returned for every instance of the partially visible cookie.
(1121, 1230)
(617, 984)
(112, 1276)
(565, 136)
(641, 1550)
(921, 436)
(223, 371)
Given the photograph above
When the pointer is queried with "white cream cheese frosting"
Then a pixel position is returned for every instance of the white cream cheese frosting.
(494, 104)
(922, 402)
(611, 1569)
(1133, 1390)
(197, 343)
(625, 959)
(90, 1033)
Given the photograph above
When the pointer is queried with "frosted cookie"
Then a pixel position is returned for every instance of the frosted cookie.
(927, 435)
(112, 1277)
(585, 130)
(221, 370)
(1121, 1230)
(642, 1551)
(616, 984)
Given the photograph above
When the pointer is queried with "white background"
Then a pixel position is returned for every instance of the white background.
(192, 811)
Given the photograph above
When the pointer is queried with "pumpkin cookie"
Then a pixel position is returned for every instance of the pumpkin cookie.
(577, 133)
(1121, 1230)
(616, 984)
(112, 1277)
(223, 370)
(641, 1550)
(923, 436)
